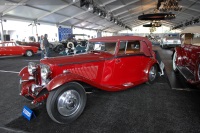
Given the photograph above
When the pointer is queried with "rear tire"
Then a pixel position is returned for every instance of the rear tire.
(153, 72)
(174, 63)
(29, 53)
(66, 103)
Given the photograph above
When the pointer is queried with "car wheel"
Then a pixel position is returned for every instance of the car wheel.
(198, 72)
(152, 74)
(174, 63)
(29, 53)
(66, 103)
(60, 48)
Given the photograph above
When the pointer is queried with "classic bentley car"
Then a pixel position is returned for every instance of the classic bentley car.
(110, 63)
(186, 57)
(12, 48)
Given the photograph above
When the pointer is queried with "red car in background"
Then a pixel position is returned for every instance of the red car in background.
(35, 44)
(111, 63)
(186, 58)
(12, 48)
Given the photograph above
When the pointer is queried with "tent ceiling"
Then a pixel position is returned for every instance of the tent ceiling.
(69, 13)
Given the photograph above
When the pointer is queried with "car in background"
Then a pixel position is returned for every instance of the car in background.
(35, 44)
(170, 41)
(113, 63)
(186, 57)
(12, 48)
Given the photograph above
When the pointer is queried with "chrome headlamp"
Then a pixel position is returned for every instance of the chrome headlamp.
(45, 71)
(32, 67)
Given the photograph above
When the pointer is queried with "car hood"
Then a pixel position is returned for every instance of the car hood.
(76, 59)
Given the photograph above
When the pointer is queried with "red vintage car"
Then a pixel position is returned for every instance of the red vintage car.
(12, 48)
(35, 44)
(186, 57)
(110, 63)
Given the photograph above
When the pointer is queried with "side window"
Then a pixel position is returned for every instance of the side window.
(122, 47)
(133, 47)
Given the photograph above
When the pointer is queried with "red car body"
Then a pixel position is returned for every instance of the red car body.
(11, 48)
(109, 68)
(35, 44)
(186, 57)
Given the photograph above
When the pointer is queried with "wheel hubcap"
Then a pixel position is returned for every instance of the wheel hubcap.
(68, 102)
(29, 53)
(152, 73)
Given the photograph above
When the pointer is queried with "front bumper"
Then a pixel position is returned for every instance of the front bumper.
(28, 88)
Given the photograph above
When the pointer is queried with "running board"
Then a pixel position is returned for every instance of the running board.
(186, 73)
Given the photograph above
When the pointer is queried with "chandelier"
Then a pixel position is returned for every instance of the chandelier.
(169, 5)
(153, 24)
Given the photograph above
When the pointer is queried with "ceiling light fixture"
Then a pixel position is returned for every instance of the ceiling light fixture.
(169, 5)
(157, 16)
(92, 6)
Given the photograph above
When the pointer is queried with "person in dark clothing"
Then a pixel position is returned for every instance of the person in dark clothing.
(42, 47)
(46, 45)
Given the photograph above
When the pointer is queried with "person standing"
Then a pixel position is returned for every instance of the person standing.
(46, 45)
(42, 46)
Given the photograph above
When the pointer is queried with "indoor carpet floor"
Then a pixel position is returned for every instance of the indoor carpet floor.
(145, 108)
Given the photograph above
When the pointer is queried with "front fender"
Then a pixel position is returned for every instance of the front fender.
(64, 78)
(23, 71)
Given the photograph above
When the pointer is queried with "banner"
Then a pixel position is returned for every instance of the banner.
(64, 33)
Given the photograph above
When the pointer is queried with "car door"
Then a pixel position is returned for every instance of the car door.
(15, 49)
(128, 63)
(2, 49)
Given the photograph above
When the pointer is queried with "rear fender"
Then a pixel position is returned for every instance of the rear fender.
(64, 78)
(148, 67)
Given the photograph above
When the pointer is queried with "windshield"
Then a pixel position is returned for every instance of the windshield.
(102, 46)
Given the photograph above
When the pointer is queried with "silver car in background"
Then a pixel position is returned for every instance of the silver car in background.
(170, 41)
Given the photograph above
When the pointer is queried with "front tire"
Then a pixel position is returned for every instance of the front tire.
(153, 72)
(66, 103)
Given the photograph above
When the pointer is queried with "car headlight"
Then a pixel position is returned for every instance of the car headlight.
(31, 67)
(45, 71)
